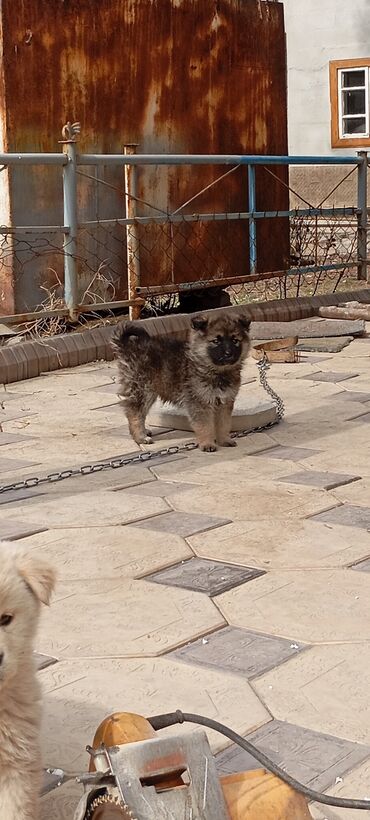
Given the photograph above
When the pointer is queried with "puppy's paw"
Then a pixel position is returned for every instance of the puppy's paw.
(148, 438)
(208, 448)
(228, 442)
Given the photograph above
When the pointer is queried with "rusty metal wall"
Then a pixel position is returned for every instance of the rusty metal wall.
(190, 76)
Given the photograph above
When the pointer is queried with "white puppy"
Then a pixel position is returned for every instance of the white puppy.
(25, 582)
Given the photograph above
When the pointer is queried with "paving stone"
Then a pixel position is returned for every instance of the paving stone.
(330, 377)
(17, 414)
(107, 553)
(12, 530)
(318, 606)
(43, 661)
(363, 417)
(13, 438)
(112, 387)
(362, 566)
(313, 758)
(136, 619)
(160, 488)
(79, 694)
(287, 453)
(347, 515)
(92, 509)
(182, 523)
(325, 689)
(7, 464)
(15, 496)
(288, 544)
(352, 395)
(201, 575)
(325, 481)
(316, 327)
(239, 651)
(324, 344)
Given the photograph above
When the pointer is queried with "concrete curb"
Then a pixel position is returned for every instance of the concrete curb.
(27, 360)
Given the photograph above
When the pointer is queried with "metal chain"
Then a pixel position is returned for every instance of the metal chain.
(139, 458)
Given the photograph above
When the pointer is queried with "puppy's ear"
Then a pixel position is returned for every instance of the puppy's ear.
(244, 324)
(200, 323)
(38, 575)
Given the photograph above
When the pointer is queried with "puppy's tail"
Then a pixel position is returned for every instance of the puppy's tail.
(127, 334)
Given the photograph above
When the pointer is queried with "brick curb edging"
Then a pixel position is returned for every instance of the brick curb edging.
(27, 360)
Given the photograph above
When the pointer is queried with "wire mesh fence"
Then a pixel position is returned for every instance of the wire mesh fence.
(130, 248)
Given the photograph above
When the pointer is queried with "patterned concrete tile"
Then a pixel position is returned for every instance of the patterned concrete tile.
(91, 509)
(325, 481)
(8, 464)
(16, 414)
(362, 566)
(136, 619)
(12, 530)
(330, 377)
(239, 651)
(363, 417)
(352, 395)
(79, 694)
(325, 689)
(111, 387)
(200, 575)
(313, 758)
(183, 524)
(13, 438)
(346, 515)
(43, 661)
(302, 605)
(107, 553)
(16, 496)
(288, 453)
(354, 783)
(357, 493)
(160, 488)
(288, 544)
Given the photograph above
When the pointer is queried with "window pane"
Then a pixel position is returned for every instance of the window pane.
(354, 102)
(357, 125)
(353, 78)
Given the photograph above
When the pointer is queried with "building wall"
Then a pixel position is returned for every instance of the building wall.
(317, 32)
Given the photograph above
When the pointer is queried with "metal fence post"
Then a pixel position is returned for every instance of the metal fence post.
(132, 234)
(252, 222)
(70, 218)
(362, 215)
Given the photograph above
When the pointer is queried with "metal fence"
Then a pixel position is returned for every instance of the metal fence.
(149, 251)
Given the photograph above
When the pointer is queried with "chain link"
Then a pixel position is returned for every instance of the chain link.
(140, 458)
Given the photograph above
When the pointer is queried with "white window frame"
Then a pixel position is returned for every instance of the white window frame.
(341, 116)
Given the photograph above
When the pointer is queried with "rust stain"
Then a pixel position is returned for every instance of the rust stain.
(192, 76)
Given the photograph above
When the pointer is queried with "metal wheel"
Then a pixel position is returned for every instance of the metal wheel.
(107, 807)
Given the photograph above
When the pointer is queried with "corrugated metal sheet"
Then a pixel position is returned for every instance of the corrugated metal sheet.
(191, 76)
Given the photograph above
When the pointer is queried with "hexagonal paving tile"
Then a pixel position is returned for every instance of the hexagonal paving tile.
(303, 605)
(78, 695)
(325, 481)
(288, 545)
(325, 689)
(108, 552)
(330, 377)
(124, 618)
(240, 651)
(211, 577)
(92, 509)
(346, 515)
(182, 523)
(313, 758)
